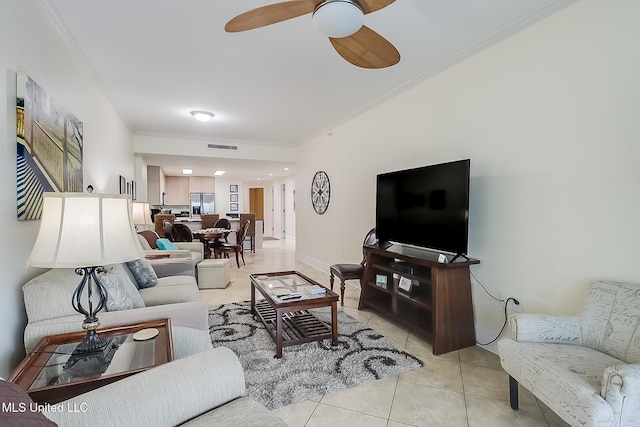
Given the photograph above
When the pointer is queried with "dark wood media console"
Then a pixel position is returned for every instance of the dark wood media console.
(437, 304)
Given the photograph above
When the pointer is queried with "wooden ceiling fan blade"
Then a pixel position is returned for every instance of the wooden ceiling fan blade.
(270, 14)
(366, 49)
(369, 6)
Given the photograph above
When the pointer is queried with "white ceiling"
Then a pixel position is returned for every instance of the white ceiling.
(157, 60)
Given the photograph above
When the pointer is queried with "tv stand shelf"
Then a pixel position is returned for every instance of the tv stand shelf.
(438, 303)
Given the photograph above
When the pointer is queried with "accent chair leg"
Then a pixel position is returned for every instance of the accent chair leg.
(342, 293)
(331, 280)
(513, 393)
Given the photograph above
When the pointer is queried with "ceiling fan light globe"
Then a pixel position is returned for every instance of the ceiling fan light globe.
(338, 18)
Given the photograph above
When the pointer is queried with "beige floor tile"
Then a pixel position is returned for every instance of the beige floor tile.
(485, 382)
(497, 413)
(436, 373)
(425, 406)
(298, 414)
(398, 424)
(361, 316)
(492, 384)
(332, 416)
(373, 398)
(478, 356)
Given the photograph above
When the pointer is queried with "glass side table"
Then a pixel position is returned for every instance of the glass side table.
(42, 374)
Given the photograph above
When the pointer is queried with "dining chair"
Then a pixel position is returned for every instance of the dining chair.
(168, 230)
(181, 233)
(223, 223)
(251, 232)
(209, 220)
(351, 271)
(225, 248)
(159, 220)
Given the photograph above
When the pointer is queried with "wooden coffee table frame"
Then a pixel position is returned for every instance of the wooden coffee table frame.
(29, 369)
(290, 323)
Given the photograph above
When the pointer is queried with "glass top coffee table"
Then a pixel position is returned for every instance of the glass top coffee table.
(284, 311)
(46, 379)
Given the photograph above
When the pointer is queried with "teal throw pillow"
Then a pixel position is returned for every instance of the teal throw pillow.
(165, 245)
(121, 292)
(142, 271)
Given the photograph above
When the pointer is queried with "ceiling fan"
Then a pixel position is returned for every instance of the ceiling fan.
(341, 20)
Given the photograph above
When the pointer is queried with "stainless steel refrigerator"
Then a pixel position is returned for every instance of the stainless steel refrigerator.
(202, 203)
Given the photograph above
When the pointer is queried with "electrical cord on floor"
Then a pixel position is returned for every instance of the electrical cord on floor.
(506, 304)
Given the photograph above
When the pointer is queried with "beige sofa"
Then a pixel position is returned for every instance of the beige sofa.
(206, 389)
(193, 250)
(47, 300)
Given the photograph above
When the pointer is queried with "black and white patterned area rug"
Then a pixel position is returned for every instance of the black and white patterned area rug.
(306, 370)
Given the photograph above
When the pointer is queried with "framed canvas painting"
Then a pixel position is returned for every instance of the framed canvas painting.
(49, 148)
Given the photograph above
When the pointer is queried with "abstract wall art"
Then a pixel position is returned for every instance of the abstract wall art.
(49, 148)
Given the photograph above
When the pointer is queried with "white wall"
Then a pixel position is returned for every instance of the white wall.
(30, 43)
(549, 119)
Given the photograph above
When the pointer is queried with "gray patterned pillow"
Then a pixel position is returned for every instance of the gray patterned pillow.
(121, 292)
(143, 272)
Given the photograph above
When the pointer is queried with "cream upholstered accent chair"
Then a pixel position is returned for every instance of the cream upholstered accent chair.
(585, 368)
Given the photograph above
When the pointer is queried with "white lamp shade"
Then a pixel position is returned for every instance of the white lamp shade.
(85, 230)
(141, 213)
(338, 18)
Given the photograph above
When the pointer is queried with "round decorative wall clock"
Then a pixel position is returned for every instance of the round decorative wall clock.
(320, 192)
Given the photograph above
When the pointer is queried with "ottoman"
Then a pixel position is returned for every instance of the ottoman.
(214, 273)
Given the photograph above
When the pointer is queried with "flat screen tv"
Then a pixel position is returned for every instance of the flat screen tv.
(426, 207)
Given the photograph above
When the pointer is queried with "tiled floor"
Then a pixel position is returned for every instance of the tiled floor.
(461, 388)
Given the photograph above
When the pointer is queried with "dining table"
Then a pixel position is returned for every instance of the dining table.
(210, 236)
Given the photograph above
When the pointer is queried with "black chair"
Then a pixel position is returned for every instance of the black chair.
(181, 233)
(167, 226)
(237, 248)
(223, 223)
(351, 271)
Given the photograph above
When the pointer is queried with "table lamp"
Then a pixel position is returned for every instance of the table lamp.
(141, 214)
(86, 231)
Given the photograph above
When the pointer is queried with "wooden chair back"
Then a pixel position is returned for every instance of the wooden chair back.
(209, 220)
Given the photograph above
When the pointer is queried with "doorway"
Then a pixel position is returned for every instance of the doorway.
(256, 204)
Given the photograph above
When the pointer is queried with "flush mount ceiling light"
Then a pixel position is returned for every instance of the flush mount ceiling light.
(203, 116)
(187, 171)
(338, 18)
(218, 173)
